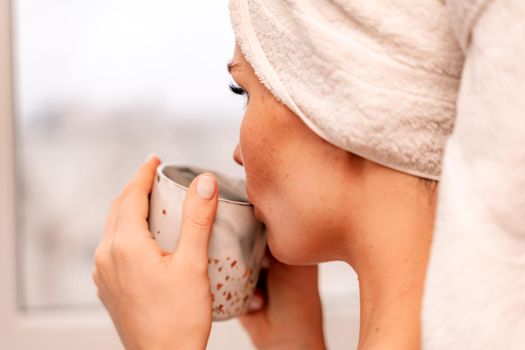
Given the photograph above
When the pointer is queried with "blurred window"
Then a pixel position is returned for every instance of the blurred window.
(100, 85)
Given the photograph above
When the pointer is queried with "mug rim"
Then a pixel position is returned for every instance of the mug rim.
(160, 172)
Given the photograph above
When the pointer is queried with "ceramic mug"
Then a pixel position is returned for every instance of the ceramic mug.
(237, 242)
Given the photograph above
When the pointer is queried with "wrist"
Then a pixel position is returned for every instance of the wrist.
(176, 343)
(186, 345)
(298, 344)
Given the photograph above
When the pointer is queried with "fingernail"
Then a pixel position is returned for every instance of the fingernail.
(265, 262)
(256, 303)
(151, 157)
(206, 186)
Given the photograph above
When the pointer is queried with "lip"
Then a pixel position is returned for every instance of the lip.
(258, 214)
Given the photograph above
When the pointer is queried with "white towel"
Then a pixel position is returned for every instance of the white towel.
(475, 288)
(377, 78)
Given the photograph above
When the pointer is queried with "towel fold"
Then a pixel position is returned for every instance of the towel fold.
(376, 78)
(475, 288)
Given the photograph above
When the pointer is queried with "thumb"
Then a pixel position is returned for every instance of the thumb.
(256, 316)
(198, 215)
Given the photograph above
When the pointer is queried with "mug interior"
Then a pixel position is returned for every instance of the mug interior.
(230, 189)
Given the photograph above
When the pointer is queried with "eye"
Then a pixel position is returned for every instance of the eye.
(236, 89)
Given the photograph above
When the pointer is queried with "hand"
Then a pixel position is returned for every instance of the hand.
(157, 300)
(287, 315)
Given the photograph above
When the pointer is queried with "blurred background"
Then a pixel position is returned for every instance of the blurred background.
(98, 86)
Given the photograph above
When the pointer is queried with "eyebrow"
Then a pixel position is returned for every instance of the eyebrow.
(231, 66)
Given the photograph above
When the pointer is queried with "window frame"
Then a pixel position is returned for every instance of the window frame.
(21, 329)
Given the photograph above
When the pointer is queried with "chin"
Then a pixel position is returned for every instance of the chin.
(287, 251)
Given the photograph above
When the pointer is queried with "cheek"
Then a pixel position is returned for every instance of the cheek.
(258, 156)
(290, 241)
(305, 220)
(286, 172)
(296, 228)
(265, 183)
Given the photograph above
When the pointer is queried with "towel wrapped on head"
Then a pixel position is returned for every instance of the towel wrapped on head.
(376, 78)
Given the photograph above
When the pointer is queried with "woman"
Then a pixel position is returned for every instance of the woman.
(377, 219)
(341, 146)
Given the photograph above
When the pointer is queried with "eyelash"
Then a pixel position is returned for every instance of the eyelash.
(236, 89)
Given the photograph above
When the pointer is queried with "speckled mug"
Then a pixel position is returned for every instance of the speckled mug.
(237, 241)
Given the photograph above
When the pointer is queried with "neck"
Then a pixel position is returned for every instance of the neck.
(390, 299)
(390, 256)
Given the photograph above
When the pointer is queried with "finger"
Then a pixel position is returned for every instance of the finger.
(198, 215)
(97, 279)
(255, 316)
(102, 289)
(134, 202)
(257, 301)
(100, 284)
(266, 261)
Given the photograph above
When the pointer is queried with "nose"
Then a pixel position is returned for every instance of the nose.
(237, 155)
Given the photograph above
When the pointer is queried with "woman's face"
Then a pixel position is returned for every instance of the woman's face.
(320, 202)
(298, 183)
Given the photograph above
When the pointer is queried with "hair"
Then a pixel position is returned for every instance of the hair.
(429, 188)
(428, 183)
